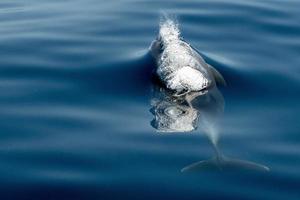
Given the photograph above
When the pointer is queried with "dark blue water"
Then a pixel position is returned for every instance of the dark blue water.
(75, 95)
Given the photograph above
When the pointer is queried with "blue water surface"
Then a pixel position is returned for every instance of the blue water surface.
(75, 95)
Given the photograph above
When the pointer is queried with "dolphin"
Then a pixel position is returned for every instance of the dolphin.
(186, 97)
(179, 66)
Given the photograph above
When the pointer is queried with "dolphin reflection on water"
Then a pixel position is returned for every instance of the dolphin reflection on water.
(187, 96)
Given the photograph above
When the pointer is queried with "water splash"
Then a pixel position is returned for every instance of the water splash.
(178, 64)
(169, 31)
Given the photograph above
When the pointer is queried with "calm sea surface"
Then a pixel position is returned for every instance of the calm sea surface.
(75, 95)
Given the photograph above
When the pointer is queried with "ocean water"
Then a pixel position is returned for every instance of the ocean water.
(76, 90)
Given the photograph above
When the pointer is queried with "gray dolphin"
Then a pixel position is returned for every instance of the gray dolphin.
(196, 102)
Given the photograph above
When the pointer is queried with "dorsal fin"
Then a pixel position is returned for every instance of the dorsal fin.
(217, 75)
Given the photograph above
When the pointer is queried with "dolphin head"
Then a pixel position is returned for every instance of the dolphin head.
(173, 117)
(184, 113)
(172, 114)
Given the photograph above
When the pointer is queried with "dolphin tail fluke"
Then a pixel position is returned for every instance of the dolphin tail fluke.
(225, 163)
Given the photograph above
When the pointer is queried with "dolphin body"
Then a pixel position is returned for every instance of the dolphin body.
(196, 100)
(196, 110)
(179, 66)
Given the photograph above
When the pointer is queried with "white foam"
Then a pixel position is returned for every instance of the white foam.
(169, 31)
(178, 67)
(188, 78)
